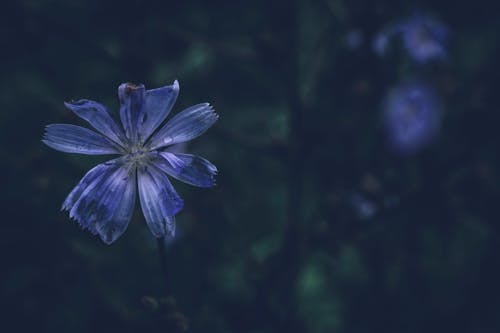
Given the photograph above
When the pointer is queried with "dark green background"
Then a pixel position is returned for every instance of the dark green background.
(277, 245)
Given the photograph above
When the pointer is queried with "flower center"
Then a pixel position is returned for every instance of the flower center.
(138, 156)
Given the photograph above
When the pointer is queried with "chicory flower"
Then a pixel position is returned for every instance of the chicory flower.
(423, 37)
(412, 116)
(104, 199)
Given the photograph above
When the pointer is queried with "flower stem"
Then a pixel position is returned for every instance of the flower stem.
(162, 255)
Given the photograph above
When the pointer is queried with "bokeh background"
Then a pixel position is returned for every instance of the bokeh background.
(316, 224)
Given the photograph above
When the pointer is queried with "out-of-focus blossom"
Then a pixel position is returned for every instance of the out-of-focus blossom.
(354, 39)
(423, 37)
(104, 200)
(364, 208)
(411, 116)
(381, 41)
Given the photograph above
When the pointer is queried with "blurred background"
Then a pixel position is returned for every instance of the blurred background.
(357, 147)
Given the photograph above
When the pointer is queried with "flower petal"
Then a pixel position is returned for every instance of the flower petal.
(157, 105)
(159, 201)
(76, 139)
(185, 126)
(131, 108)
(189, 169)
(110, 230)
(91, 177)
(104, 199)
(97, 116)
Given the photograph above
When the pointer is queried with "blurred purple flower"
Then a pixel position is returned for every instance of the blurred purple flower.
(412, 117)
(364, 208)
(354, 39)
(381, 40)
(104, 200)
(423, 37)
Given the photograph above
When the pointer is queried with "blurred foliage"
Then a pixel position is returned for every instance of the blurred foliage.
(278, 245)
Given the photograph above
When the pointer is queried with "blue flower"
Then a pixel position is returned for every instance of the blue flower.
(354, 39)
(424, 38)
(104, 200)
(381, 41)
(412, 117)
(364, 208)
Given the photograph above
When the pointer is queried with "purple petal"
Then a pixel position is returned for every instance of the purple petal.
(131, 108)
(157, 105)
(159, 201)
(178, 148)
(79, 140)
(91, 177)
(103, 200)
(97, 116)
(189, 169)
(110, 230)
(185, 126)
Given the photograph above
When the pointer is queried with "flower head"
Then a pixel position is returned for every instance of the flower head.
(412, 116)
(354, 39)
(423, 37)
(381, 41)
(104, 200)
(364, 208)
